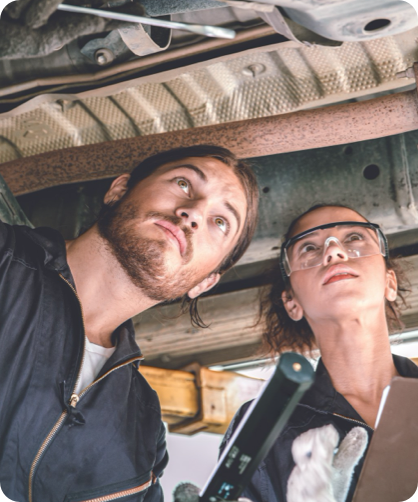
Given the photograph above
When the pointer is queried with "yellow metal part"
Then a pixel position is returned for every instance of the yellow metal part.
(176, 390)
(198, 399)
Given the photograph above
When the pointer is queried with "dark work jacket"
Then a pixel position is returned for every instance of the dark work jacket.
(321, 405)
(113, 441)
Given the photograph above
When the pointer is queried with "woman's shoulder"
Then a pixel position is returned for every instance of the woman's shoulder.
(300, 418)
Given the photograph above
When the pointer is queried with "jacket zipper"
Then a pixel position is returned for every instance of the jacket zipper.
(41, 450)
(123, 493)
(354, 420)
(73, 401)
(75, 398)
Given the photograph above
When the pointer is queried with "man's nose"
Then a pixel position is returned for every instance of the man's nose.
(191, 216)
(333, 251)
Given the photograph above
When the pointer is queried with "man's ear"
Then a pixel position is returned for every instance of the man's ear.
(117, 189)
(205, 285)
(292, 306)
(391, 290)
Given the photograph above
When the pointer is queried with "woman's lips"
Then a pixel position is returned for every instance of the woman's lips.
(339, 273)
(340, 277)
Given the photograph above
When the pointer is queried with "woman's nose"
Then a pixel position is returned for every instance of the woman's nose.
(333, 249)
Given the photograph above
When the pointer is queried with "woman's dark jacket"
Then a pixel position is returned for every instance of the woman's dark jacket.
(113, 441)
(321, 405)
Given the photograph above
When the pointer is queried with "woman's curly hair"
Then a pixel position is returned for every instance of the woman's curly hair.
(281, 333)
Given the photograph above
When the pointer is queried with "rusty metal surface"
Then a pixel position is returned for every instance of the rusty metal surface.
(204, 89)
(334, 125)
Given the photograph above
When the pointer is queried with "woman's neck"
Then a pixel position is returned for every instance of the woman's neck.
(358, 359)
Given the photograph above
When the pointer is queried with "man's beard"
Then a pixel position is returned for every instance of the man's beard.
(143, 259)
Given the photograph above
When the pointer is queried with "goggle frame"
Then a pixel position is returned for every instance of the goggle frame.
(283, 250)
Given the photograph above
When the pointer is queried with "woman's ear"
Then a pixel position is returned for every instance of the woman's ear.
(391, 289)
(292, 306)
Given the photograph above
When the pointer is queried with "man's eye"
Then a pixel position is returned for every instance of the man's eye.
(222, 224)
(183, 185)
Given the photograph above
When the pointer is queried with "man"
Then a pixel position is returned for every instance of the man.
(77, 420)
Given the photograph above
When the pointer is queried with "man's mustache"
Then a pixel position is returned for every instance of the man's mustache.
(175, 220)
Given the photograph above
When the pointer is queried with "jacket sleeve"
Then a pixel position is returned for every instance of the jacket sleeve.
(155, 492)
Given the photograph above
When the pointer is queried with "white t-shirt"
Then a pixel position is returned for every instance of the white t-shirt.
(95, 357)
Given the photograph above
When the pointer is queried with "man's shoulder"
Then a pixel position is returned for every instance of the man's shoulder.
(15, 242)
(31, 247)
(146, 395)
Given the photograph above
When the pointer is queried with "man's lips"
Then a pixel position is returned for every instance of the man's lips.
(173, 231)
(339, 273)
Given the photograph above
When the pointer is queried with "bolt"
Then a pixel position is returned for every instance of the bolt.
(64, 104)
(253, 70)
(104, 56)
(408, 73)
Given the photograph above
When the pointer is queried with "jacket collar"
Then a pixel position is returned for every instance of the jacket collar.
(126, 347)
(324, 398)
(52, 244)
(55, 258)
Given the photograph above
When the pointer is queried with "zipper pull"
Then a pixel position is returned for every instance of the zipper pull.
(74, 400)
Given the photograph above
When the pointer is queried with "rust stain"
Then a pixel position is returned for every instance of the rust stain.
(334, 125)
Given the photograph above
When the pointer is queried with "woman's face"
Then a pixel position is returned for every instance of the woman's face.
(340, 287)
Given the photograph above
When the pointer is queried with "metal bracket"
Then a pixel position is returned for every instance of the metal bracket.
(105, 50)
(293, 31)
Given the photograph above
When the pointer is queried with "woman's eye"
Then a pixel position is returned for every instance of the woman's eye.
(354, 237)
(221, 223)
(183, 185)
(308, 247)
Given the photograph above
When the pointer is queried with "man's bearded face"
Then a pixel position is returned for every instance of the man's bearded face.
(173, 229)
(143, 259)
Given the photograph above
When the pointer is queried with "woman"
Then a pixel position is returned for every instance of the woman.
(336, 290)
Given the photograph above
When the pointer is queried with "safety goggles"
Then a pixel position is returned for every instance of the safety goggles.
(355, 239)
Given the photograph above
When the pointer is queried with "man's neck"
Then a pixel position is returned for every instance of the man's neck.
(108, 297)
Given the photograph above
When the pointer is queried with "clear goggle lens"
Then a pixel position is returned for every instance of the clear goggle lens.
(308, 250)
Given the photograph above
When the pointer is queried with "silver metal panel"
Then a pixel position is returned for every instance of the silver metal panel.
(259, 83)
(349, 20)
